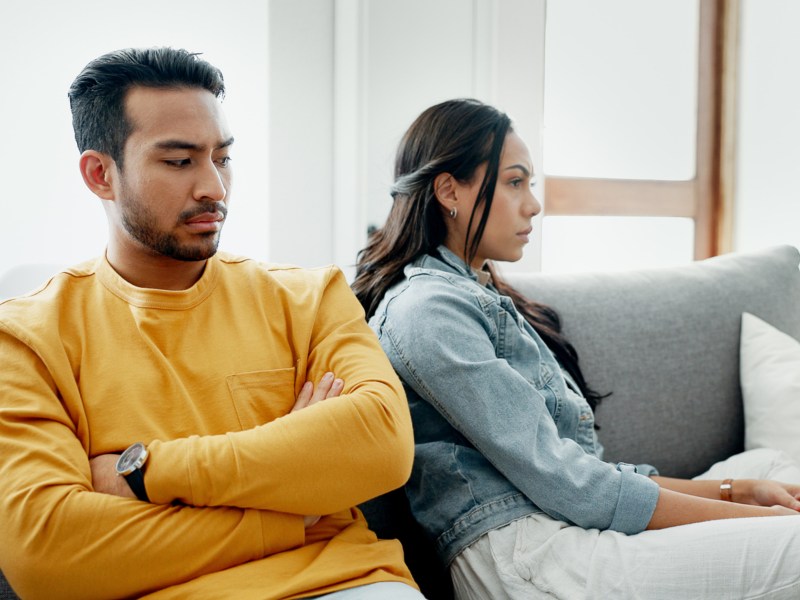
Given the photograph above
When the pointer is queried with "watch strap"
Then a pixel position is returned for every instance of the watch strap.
(135, 480)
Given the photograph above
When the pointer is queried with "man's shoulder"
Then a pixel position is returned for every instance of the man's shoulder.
(37, 308)
(62, 282)
(287, 275)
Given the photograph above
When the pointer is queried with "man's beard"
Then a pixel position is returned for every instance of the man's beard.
(141, 225)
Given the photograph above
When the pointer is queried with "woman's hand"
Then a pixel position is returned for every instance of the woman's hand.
(782, 511)
(762, 492)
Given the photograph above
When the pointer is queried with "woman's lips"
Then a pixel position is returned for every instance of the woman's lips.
(525, 235)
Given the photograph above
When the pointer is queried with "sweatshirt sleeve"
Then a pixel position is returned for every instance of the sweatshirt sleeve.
(444, 351)
(62, 539)
(328, 457)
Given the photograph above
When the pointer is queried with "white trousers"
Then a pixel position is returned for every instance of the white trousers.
(387, 590)
(540, 557)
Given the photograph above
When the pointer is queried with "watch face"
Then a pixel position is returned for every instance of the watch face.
(131, 459)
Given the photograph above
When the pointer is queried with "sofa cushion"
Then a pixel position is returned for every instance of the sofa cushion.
(665, 343)
(770, 378)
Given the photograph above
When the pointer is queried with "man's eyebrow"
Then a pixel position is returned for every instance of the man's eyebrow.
(521, 167)
(183, 145)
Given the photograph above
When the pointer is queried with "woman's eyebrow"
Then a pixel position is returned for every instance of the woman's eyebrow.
(521, 167)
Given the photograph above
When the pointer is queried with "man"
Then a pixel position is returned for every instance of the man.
(159, 432)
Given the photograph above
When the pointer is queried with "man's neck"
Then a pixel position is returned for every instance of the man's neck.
(156, 272)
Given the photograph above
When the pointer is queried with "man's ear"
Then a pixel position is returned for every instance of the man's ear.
(444, 187)
(98, 170)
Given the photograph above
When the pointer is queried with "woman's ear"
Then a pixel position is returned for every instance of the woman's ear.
(444, 187)
(98, 170)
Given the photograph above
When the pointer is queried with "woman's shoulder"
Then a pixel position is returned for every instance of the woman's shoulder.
(425, 280)
(427, 293)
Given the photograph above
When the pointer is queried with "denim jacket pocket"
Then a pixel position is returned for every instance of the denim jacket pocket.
(262, 396)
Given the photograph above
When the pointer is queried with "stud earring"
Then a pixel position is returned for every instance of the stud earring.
(453, 212)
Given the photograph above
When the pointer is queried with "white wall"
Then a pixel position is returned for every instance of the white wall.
(348, 77)
(49, 216)
(394, 59)
(768, 157)
(319, 93)
(300, 142)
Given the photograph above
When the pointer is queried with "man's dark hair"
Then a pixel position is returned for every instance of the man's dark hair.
(97, 96)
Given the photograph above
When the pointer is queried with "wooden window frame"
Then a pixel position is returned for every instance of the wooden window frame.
(708, 197)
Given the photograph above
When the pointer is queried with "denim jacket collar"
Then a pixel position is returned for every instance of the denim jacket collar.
(447, 258)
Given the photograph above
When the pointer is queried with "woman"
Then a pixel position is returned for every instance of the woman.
(508, 477)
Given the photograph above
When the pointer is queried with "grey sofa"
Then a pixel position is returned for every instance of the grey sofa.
(665, 343)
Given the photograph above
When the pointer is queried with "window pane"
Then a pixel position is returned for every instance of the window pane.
(615, 243)
(767, 210)
(621, 88)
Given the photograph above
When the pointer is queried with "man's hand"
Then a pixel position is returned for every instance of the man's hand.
(328, 387)
(105, 479)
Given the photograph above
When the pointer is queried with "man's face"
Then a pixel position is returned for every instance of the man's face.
(173, 191)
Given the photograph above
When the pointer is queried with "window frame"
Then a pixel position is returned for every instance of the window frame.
(708, 197)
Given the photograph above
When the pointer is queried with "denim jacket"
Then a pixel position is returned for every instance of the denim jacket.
(500, 432)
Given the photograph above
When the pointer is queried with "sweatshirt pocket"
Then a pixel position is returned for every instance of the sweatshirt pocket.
(262, 396)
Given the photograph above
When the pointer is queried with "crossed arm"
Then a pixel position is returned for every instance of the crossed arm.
(64, 540)
(106, 481)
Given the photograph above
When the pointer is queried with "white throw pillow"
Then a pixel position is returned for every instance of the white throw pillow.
(770, 378)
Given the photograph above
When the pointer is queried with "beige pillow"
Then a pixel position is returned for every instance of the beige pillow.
(770, 376)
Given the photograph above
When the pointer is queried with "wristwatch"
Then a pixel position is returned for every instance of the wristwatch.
(130, 465)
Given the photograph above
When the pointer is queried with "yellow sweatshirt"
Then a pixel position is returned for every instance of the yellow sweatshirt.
(90, 364)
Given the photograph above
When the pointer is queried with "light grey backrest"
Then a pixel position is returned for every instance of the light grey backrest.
(25, 278)
(665, 343)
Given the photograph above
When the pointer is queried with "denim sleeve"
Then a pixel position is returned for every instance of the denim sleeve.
(440, 341)
(648, 470)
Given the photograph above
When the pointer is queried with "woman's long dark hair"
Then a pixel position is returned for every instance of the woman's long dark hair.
(453, 137)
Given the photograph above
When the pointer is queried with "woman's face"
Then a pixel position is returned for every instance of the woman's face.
(508, 228)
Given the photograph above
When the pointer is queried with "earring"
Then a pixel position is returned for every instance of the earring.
(453, 212)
